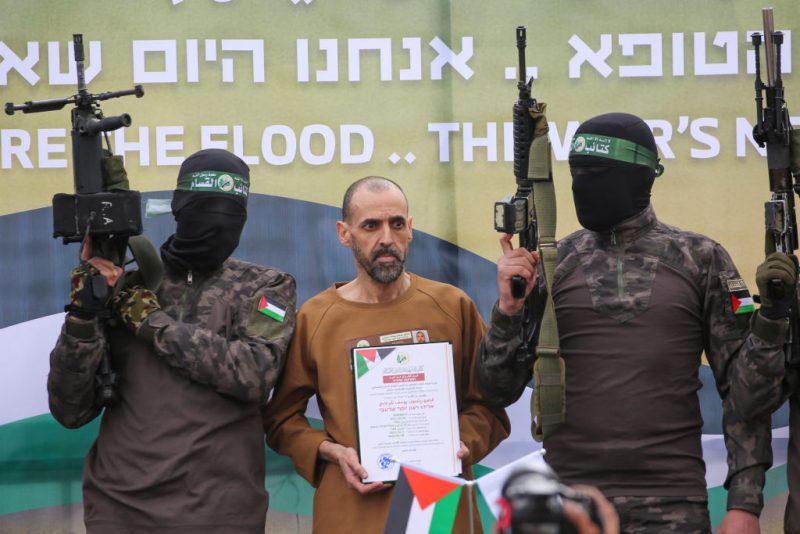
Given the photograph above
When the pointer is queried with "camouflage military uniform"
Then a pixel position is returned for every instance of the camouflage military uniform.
(636, 307)
(760, 383)
(183, 448)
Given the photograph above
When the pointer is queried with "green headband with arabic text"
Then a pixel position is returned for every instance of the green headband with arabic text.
(229, 183)
(614, 148)
(214, 182)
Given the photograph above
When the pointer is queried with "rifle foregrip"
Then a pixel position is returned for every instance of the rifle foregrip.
(523, 136)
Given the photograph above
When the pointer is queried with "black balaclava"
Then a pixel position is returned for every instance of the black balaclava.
(210, 208)
(613, 161)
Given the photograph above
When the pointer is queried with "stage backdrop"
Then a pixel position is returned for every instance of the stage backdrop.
(314, 94)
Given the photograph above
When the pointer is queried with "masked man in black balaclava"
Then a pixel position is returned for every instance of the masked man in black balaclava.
(210, 211)
(183, 448)
(637, 303)
(613, 163)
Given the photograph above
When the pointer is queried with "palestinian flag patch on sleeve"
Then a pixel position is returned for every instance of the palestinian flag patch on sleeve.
(741, 301)
(271, 310)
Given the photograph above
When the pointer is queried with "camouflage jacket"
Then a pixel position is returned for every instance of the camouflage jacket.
(760, 383)
(212, 329)
(619, 269)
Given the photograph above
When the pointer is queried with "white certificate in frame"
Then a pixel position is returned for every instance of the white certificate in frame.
(406, 409)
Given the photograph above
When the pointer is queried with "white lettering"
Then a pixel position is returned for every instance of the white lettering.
(559, 145)
(414, 70)
(663, 138)
(443, 130)
(238, 146)
(678, 67)
(328, 142)
(46, 148)
(470, 142)
(122, 146)
(24, 67)
(446, 56)
(192, 61)
(168, 53)
(354, 49)
(698, 134)
(584, 54)
(208, 134)
(629, 42)
(164, 145)
(285, 134)
(93, 63)
(729, 41)
(15, 143)
(347, 133)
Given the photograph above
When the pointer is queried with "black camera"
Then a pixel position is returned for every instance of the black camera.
(534, 501)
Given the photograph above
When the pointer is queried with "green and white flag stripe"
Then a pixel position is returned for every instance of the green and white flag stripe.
(271, 310)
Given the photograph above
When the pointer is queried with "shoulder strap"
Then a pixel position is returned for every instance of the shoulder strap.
(549, 395)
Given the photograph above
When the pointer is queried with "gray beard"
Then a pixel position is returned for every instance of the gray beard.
(383, 273)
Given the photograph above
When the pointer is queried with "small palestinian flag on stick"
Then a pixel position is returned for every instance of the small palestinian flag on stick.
(741, 300)
(271, 310)
(423, 502)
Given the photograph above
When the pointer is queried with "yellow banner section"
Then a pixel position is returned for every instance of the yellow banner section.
(316, 93)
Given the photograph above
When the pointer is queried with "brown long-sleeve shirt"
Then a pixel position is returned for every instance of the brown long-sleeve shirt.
(318, 363)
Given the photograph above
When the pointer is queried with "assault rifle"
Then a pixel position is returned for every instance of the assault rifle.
(102, 206)
(773, 130)
(517, 214)
(531, 214)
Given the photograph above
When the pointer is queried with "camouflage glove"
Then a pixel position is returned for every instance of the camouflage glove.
(89, 292)
(776, 279)
(134, 305)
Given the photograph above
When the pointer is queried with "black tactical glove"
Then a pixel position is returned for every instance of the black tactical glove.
(89, 292)
(776, 279)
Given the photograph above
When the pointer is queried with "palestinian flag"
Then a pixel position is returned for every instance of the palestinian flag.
(423, 502)
(743, 304)
(741, 301)
(365, 360)
(271, 310)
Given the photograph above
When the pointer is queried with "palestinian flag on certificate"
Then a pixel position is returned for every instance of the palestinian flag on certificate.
(365, 360)
(741, 301)
(368, 357)
(423, 502)
(271, 310)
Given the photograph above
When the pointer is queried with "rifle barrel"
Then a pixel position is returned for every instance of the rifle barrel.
(137, 90)
(521, 43)
(38, 105)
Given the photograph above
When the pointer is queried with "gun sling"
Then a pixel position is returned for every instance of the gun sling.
(549, 395)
